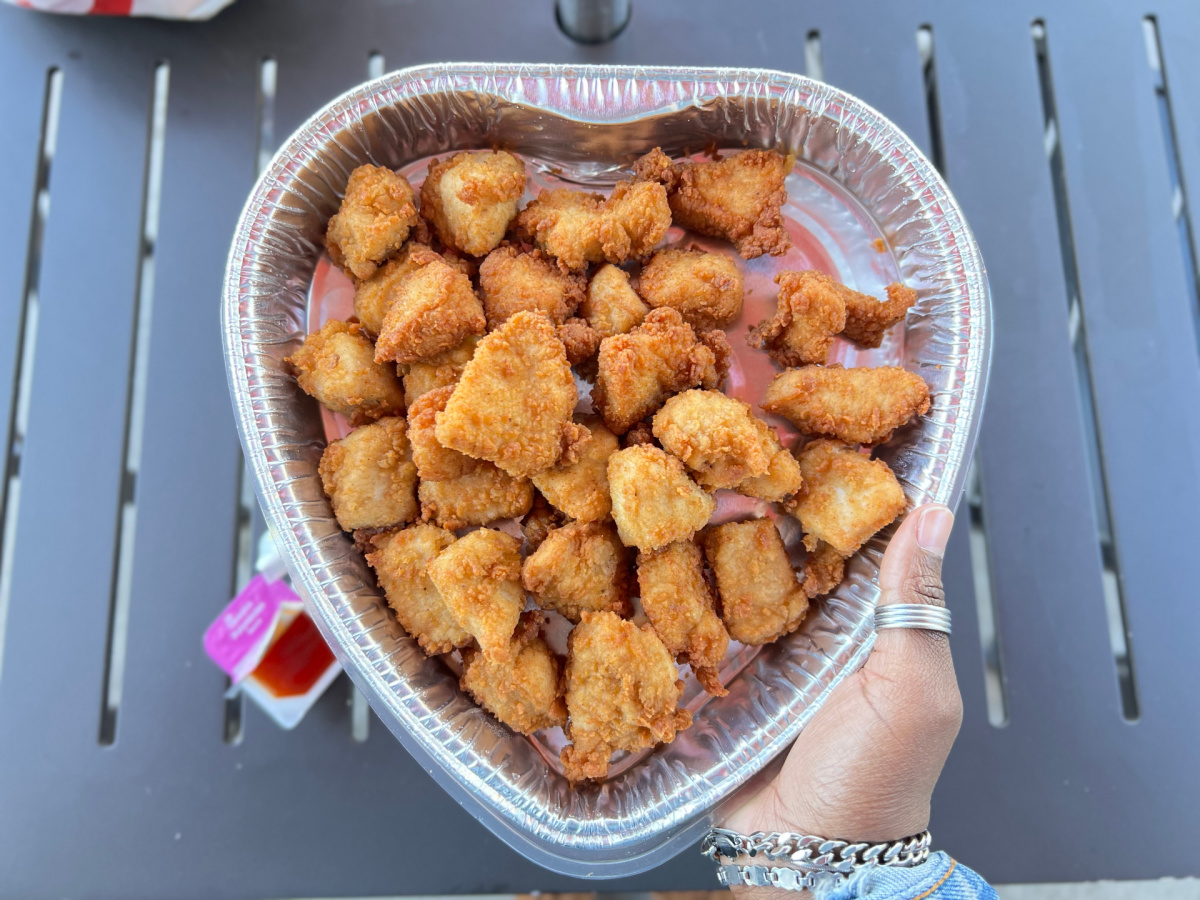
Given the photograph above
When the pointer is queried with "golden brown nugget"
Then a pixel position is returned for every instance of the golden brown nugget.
(846, 496)
(369, 476)
(580, 489)
(541, 519)
(522, 692)
(336, 365)
(479, 577)
(580, 340)
(641, 433)
(680, 605)
(737, 198)
(577, 227)
(479, 497)
(706, 288)
(430, 374)
(622, 692)
(470, 198)
(782, 478)
(580, 567)
(399, 559)
(435, 462)
(511, 281)
(514, 401)
(373, 221)
(610, 305)
(760, 597)
(810, 311)
(716, 437)
(638, 371)
(868, 320)
(433, 310)
(858, 406)
(823, 570)
(654, 503)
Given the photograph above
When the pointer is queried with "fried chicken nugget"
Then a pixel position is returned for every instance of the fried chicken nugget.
(432, 310)
(336, 365)
(580, 489)
(680, 605)
(373, 221)
(373, 296)
(580, 567)
(824, 570)
(622, 692)
(430, 374)
(716, 437)
(471, 198)
(638, 371)
(369, 476)
(737, 198)
(811, 310)
(541, 519)
(435, 462)
(514, 401)
(858, 406)
(580, 340)
(868, 320)
(654, 503)
(522, 692)
(846, 496)
(611, 306)
(577, 227)
(399, 559)
(479, 577)
(706, 288)
(511, 281)
(782, 478)
(479, 497)
(760, 597)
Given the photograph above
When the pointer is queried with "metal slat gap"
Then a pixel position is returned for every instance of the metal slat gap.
(1114, 600)
(814, 62)
(374, 64)
(135, 412)
(18, 416)
(981, 561)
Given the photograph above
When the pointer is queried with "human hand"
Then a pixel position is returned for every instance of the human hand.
(864, 768)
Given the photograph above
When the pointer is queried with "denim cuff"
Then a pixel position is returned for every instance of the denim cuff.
(941, 878)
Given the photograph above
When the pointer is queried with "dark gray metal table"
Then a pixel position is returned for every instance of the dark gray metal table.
(1070, 142)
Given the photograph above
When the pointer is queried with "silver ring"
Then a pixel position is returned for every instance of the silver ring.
(913, 615)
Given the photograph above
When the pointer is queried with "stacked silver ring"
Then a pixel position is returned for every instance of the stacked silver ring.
(913, 615)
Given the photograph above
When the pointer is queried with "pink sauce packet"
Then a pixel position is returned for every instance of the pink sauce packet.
(245, 630)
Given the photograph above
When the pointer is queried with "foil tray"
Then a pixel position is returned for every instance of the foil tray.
(866, 186)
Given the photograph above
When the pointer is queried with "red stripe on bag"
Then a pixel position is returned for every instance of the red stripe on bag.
(111, 7)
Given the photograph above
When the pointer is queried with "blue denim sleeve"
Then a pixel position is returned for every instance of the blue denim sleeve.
(941, 878)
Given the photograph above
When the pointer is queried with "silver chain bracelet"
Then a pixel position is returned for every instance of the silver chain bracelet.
(808, 859)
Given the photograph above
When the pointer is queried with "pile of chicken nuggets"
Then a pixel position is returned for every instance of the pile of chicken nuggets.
(474, 322)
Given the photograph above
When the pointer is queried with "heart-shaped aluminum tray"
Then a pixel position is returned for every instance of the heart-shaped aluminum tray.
(864, 203)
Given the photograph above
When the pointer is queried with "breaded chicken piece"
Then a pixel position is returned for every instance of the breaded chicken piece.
(470, 198)
(858, 406)
(511, 281)
(760, 597)
(522, 692)
(430, 374)
(373, 296)
(868, 320)
(336, 365)
(432, 310)
(577, 227)
(373, 221)
(435, 462)
(580, 489)
(680, 605)
(580, 340)
(369, 476)
(541, 519)
(622, 692)
(782, 478)
(399, 559)
(706, 288)
(479, 577)
(514, 401)
(611, 306)
(716, 437)
(579, 567)
(810, 311)
(638, 371)
(654, 503)
(823, 570)
(641, 433)
(846, 496)
(736, 198)
(479, 497)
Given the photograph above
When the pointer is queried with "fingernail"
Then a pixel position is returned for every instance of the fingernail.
(933, 529)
